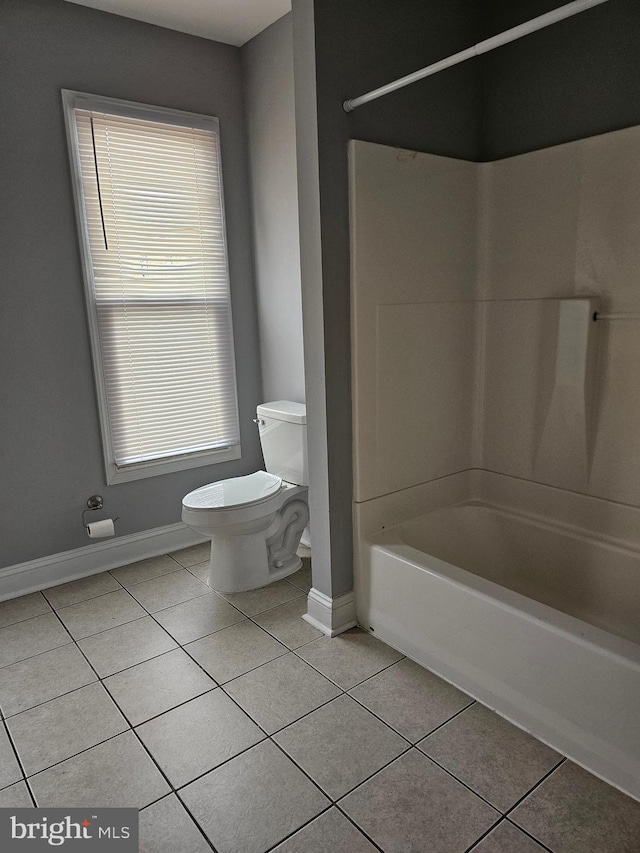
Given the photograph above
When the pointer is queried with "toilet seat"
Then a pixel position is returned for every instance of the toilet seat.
(234, 492)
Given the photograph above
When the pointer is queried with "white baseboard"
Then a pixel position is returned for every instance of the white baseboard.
(332, 616)
(91, 559)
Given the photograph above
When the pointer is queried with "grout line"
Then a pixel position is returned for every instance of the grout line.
(43, 652)
(169, 783)
(271, 634)
(287, 725)
(76, 754)
(89, 597)
(422, 737)
(261, 612)
(302, 770)
(53, 698)
(172, 788)
(24, 779)
(139, 663)
(499, 816)
(358, 827)
(446, 722)
(169, 606)
(179, 571)
(395, 758)
(380, 720)
(300, 828)
(100, 680)
(203, 637)
(201, 595)
(480, 838)
(375, 773)
(167, 710)
(226, 761)
(195, 822)
(528, 834)
(466, 785)
(266, 663)
(175, 571)
(221, 683)
(193, 574)
(357, 684)
(220, 686)
(174, 793)
(302, 589)
(78, 640)
(177, 562)
(537, 785)
(186, 651)
(86, 600)
(131, 666)
(26, 618)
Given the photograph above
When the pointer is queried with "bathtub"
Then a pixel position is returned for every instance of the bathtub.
(538, 620)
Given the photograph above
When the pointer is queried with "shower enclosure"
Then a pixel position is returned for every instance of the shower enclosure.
(497, 430)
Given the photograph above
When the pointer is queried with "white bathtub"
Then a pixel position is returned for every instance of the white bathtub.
(537, 620)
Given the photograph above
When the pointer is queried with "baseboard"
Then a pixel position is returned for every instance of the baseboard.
(332, 616)
(55, 569)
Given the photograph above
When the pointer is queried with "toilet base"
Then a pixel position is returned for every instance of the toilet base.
(239, 564)
(305, 539)
(226, 582)
(249, 559)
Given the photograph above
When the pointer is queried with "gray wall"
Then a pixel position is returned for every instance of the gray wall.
(267, 67)
(341, 50)
(50, 442)
(577, 78)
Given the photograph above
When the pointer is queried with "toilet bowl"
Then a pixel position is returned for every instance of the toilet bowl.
(255, 522)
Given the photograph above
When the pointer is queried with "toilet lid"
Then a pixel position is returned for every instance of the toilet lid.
(234, 492)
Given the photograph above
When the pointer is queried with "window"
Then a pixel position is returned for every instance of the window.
(148, 191)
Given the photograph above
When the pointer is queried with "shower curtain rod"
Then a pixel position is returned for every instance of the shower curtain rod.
(507, 36)
(627, 315)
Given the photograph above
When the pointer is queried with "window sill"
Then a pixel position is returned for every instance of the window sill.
(142, 470)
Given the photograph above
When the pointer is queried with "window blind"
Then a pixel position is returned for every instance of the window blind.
(155, 225)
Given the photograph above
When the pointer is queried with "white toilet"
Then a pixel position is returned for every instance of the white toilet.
(255, 522)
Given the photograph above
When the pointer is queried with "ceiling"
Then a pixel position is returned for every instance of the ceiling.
(229, 21)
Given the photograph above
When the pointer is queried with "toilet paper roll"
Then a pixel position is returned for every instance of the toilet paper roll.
(98, 529)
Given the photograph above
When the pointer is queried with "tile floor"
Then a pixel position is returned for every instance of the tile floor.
(235, 726)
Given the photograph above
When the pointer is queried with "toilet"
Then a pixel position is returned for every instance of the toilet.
(255, 522)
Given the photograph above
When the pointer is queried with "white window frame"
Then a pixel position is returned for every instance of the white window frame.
(71, 101)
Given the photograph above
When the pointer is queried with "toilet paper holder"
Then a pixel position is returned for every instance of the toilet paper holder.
(93, 503)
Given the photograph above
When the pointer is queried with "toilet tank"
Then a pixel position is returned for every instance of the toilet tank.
(283, 436)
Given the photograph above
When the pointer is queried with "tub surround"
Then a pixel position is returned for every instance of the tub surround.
(414, 319)
(473, 287)
(482, 383)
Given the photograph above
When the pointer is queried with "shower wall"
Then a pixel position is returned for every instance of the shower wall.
(563, 222)
(414, 279)
(473, 289)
